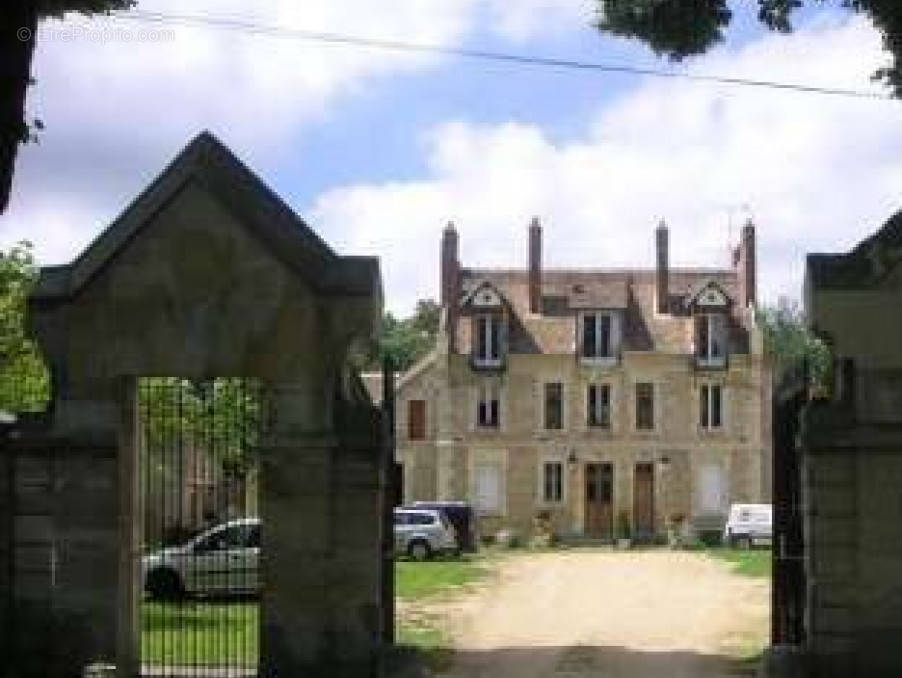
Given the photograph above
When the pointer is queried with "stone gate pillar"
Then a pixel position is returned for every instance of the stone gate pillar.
(852, 463)
(208, 274)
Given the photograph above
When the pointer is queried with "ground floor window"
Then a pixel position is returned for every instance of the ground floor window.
(488, 488)
(552, 481)
(712, 489)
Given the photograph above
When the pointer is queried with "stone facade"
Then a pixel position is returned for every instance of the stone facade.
(696, 471)
(852, 462)
(206, 274)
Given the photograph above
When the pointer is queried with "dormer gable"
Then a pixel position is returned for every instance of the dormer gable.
(709, 297)
(484, 296)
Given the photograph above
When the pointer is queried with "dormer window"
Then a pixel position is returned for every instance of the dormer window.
(711, 339)
(710, 307)
(487, 342)
(600, 338)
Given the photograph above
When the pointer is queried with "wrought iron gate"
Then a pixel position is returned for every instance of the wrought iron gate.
(788, 587)
(200, 563)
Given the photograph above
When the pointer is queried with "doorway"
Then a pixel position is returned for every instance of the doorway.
(201, 546)
(644, 501)
(599, 500)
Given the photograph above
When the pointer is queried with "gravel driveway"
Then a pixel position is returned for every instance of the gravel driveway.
(610, 615)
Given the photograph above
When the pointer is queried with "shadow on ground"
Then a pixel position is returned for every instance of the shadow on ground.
(577, 661)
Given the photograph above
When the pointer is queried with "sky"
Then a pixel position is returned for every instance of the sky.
(378, 150)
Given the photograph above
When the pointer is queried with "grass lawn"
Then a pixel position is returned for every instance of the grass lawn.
(751, 563)
(227, 633)
(419, 635)
(415, 580)
(200, 633)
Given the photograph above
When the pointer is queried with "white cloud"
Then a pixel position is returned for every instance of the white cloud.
(522, 19)
(816, 172)
(118, 106)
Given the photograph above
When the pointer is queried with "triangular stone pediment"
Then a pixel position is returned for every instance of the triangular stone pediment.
(207, 272)
(710, 296)
(207, 164)
(484, 295)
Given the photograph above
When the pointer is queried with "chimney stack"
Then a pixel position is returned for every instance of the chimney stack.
(449, 265)
(535, 266)
(662, 270)
(747, 266)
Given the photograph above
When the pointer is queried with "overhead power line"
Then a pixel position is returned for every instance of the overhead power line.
(253, 27)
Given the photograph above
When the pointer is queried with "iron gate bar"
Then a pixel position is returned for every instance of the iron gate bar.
(199, 453)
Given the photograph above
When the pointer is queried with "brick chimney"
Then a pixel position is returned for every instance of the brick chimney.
(535, 266)
(746, 266)
(449, 265)
(662, 268)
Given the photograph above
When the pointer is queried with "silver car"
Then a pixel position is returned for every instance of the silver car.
(422, 533)
(221, 560)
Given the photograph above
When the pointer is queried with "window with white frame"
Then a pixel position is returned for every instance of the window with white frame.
(600, 335)
(710, 406)
(554, 406)
(487, 481)
(598, 406)
(711, 338)
(487, 349)
(488, 405)
(552, 482)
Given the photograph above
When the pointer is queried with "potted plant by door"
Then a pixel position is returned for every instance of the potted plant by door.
(623, 530)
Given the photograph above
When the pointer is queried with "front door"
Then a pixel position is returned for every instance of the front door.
(599, 506)
(644, 502)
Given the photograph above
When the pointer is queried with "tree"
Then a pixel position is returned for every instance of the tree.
(681, 28)
(24, 381)
(789, 343)
(406, 340)
(17, 41)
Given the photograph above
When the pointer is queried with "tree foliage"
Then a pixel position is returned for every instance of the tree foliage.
(219, 417)
(17, 42)
(789, 343)
(406, 340)
(24, 381)
(682, 28)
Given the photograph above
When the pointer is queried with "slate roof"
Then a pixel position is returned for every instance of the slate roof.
(632, 291)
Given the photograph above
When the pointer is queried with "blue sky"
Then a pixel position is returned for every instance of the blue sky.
(378, 150)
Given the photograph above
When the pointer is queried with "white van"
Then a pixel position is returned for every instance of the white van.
(748, 525)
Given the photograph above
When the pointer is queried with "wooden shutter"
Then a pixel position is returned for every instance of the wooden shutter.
(416, 419)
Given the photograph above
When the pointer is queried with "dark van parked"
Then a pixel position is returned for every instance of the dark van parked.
(461, 516)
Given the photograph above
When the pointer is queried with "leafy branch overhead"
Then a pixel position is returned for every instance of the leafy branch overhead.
(682, 28)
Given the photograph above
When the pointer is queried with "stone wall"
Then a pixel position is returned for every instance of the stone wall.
(63, 552)
(852, 476)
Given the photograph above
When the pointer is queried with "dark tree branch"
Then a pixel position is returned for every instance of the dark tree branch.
(17, 40)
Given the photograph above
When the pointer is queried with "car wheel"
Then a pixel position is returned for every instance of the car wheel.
(164, 584)
(419, 550)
